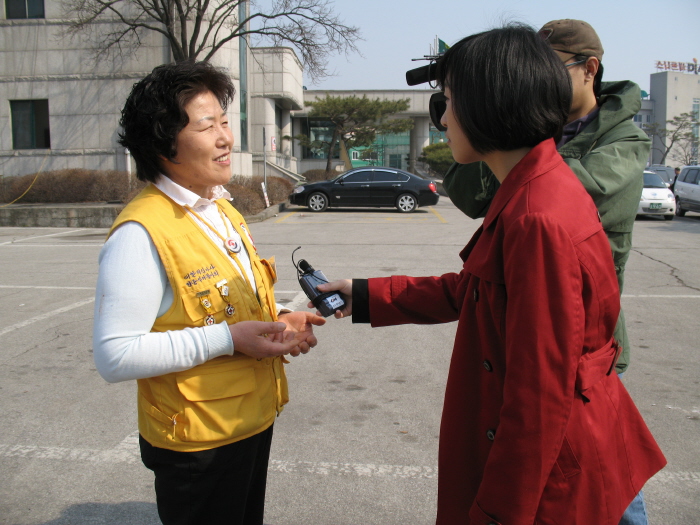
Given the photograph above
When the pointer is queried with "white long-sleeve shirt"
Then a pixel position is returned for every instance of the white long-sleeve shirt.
(133, 290)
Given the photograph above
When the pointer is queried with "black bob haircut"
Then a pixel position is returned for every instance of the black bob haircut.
(154, 112)
(509, 89)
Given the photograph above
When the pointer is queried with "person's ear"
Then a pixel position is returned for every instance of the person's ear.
(592, 65)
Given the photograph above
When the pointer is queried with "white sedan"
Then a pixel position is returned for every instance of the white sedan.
(656, 198)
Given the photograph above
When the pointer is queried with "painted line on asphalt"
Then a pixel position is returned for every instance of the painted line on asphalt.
(92, 288)
(125, 452)
(9, 286)
(128, 452)
(366, 470)
(27, 245)
(52, 313)
(362, 219)
(282, 219)
(664, 477)
(624, 296)
(39, 236)
(437, 214)
(299, 300)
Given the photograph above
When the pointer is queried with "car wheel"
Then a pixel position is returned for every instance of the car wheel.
(317, 202)
(668, 217)
(406, 203)
(679, 211)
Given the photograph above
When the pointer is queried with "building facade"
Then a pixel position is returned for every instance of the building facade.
(396, 150)
(59, 108)
(673, 92)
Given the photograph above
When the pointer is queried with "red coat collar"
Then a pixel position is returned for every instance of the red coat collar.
(539, 160)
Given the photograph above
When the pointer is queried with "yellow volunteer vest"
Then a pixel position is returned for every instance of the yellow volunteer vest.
(228, 398)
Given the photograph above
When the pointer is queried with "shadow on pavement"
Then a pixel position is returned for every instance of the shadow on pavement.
(131, 512)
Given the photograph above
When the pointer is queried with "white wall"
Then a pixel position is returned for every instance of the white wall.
(85, 97)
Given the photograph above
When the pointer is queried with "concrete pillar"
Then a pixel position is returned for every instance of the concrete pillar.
(264, 116)
(285, 146)
(420, 138)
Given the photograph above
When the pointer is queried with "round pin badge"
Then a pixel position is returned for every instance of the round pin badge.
(230, 310)
(209, 320)
(233, 245)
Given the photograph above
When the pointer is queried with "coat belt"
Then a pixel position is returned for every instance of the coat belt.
(594, 366)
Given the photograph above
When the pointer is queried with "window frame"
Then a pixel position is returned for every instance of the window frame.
(31, 9)
(36, 122)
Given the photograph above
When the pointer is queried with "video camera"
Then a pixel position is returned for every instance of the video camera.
(423, 74)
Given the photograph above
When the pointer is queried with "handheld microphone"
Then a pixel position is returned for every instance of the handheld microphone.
(325, 302)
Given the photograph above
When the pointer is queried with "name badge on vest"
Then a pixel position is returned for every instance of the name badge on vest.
(206, 304)
(223, 290)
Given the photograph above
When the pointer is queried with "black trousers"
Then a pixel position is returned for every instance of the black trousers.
(221, 486)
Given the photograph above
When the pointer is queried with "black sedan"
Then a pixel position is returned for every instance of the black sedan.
(368, 187)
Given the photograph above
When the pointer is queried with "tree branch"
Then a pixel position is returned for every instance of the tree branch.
(195, 27)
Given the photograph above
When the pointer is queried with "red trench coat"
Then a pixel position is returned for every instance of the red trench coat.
(536, 426)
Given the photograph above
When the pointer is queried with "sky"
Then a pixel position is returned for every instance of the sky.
(635, 34)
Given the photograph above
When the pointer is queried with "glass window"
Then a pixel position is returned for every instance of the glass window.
(692, 177)
(30, 124)
(387, 176)
(358, 176)
(320, 132)
(24, 9)
(370, 154)
(653, 180)
(395, 160)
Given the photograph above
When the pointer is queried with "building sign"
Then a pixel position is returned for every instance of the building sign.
(682, 67)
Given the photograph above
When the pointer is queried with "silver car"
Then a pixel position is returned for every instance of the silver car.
(687, 190)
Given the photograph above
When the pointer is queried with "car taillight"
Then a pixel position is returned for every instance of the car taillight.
(432, 187)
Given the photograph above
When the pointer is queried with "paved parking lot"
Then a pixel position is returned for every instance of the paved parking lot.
(358, 442)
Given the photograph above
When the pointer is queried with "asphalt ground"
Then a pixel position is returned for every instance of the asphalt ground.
(357, 444)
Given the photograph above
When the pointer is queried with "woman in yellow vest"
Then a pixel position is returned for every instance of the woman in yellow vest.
(185, 306)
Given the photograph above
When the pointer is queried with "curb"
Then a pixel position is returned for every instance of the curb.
(96, 215)
(272, 211)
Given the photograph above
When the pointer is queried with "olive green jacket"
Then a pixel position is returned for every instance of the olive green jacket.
(608, 157)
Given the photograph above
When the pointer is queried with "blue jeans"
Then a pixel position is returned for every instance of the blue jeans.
(636, 513)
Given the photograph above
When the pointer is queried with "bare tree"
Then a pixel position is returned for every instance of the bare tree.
(686, 152)
(676, 129)
(197, 29)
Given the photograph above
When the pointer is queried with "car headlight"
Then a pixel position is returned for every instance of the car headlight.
(670, 197)
(299, 189)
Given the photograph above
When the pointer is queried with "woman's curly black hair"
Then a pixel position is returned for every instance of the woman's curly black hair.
(154, 112)
(509, 89)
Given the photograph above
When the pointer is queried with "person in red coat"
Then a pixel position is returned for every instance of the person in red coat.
(536, 427)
